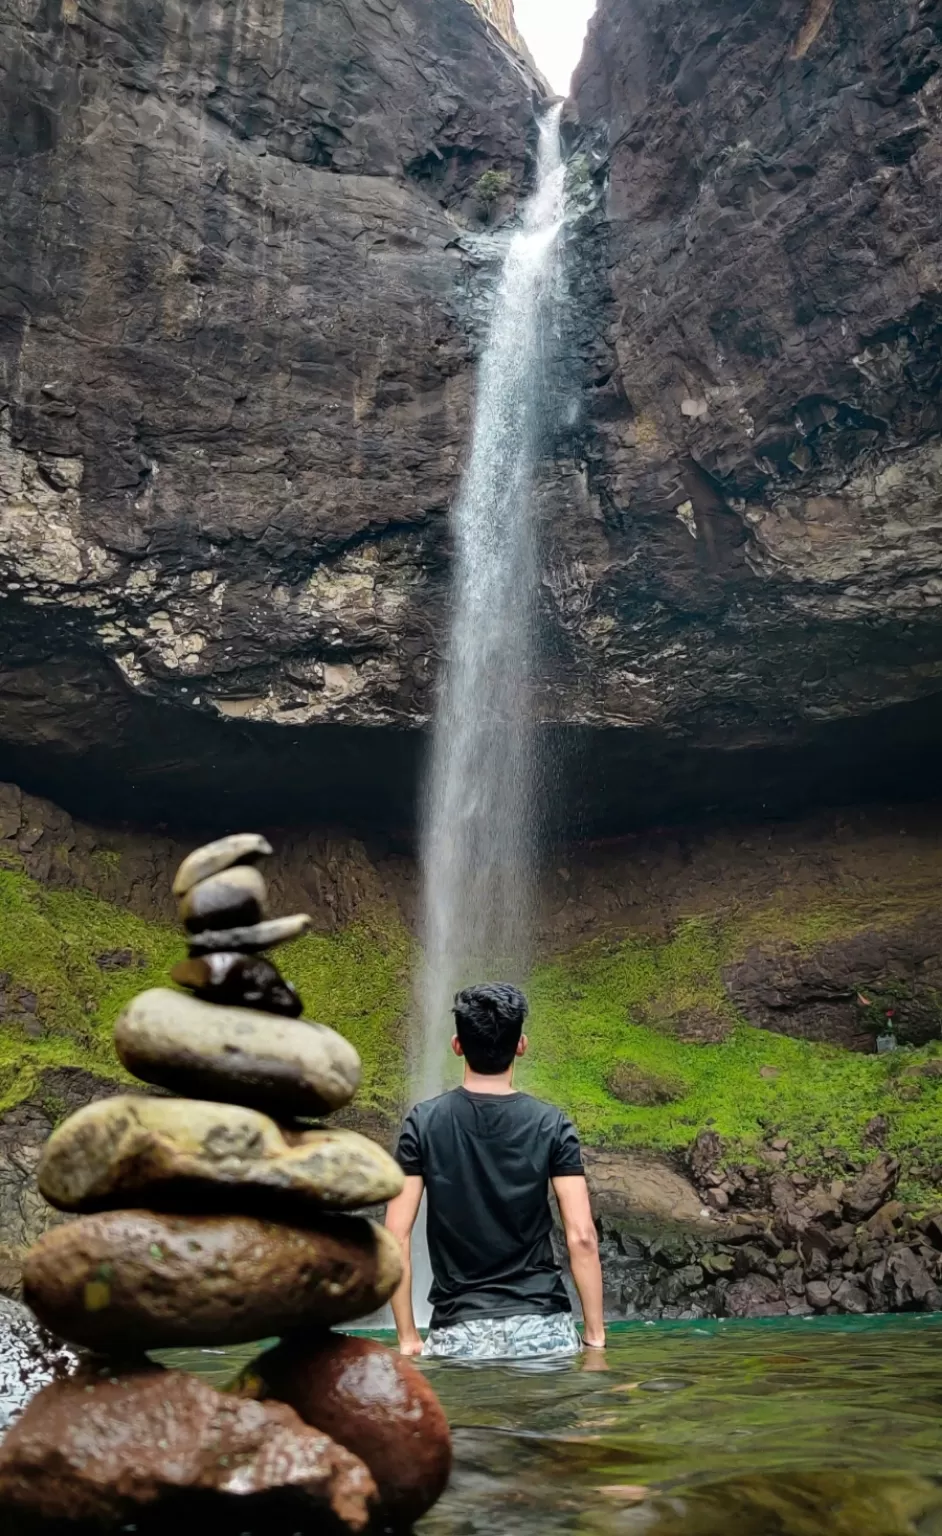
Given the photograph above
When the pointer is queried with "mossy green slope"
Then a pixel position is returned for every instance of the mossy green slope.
(50, 941)
(595, 1007)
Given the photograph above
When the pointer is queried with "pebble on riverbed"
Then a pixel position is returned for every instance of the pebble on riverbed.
(243, 1240)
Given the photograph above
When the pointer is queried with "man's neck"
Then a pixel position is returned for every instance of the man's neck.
(496, 1083)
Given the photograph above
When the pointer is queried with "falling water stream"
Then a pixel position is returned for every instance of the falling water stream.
(480, 820)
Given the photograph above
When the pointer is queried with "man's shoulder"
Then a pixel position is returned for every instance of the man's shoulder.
(540, 1109)
(429, 1109)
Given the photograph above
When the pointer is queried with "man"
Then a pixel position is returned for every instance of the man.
(485, 1156)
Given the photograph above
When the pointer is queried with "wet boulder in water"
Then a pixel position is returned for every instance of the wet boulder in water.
(184, 1152)
(283, 1067)
(106, 1449)
(235, 898)
(139, 1280)
(239, 981)
(374, 1402)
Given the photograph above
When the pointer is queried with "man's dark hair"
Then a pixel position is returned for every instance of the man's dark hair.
(489, 1023)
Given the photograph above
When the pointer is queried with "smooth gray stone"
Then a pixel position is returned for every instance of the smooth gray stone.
(286, 1067)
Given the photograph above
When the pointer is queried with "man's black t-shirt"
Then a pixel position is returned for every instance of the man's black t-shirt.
(487, 1160)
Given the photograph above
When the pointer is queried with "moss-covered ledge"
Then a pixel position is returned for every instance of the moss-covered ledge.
(647, 1003)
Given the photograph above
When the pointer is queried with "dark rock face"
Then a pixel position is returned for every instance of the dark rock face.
(30, 1358)
(849, 990)
(238, 416)
(106, 1449)
(236, 406)
(764, 436)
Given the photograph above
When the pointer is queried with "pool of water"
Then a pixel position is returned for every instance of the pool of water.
(778, 1428)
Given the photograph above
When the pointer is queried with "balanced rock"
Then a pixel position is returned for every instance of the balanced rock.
(239, 981)
(107, 1450)
(232, 899)
(224, 853)
(257, 936)
(30, 1358)
(284, 1066)
(373, 1402)
(185, 1152)
(138, 1280)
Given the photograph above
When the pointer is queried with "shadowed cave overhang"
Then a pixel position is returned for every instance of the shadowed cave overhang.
(71, 731)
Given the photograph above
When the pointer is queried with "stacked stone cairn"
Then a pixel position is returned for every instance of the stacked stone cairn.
(216, 1220)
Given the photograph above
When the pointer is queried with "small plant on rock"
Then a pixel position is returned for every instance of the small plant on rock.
(489, 188)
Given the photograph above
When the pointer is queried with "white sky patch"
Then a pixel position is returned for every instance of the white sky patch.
(555, 31)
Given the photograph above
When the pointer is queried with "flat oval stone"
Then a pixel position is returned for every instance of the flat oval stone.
(235, 898)
(286, 1067)
(108, 1449)
(258, 936)
(241, 848)
(239, 981)
(375, 1403)
(181, 1152)
(138, 1280)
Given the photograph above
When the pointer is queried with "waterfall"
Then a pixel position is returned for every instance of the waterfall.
(480, 813)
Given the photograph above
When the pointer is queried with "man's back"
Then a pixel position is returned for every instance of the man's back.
(486, 1160)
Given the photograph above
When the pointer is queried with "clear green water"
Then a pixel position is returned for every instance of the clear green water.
(779, 1428)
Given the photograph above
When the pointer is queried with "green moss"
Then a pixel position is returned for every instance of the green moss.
(612, 1002)
(356, 980)
(492, 185)
(49, 941)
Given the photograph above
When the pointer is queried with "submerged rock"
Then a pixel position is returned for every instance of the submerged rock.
(105, 1449)
(224, 853)
(282, 1066)
(239, 981)
(139, 1280)
(30, 1358)
(234, 898)
(376, 1404)
(183, 1150)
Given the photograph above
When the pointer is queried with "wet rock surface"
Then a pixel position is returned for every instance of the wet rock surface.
(287, 1067)
(107, 1449)
(124, 1282)
(30, 1358)
(764, 436)
(374, 1402)
(146, 1280)
(778, 1244)
(248, 562)
(173, 1151)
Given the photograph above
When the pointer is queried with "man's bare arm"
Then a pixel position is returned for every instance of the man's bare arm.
(400, 1219)
(575, 1208)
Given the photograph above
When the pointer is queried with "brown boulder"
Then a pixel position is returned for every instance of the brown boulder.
(872, 1189)
(135, 1280)
(284, 1067)
(132, 1149)
(373, 1402)
(755, 1296)
(106, 1449)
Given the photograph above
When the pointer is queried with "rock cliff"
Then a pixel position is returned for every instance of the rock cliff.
(243, 282)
